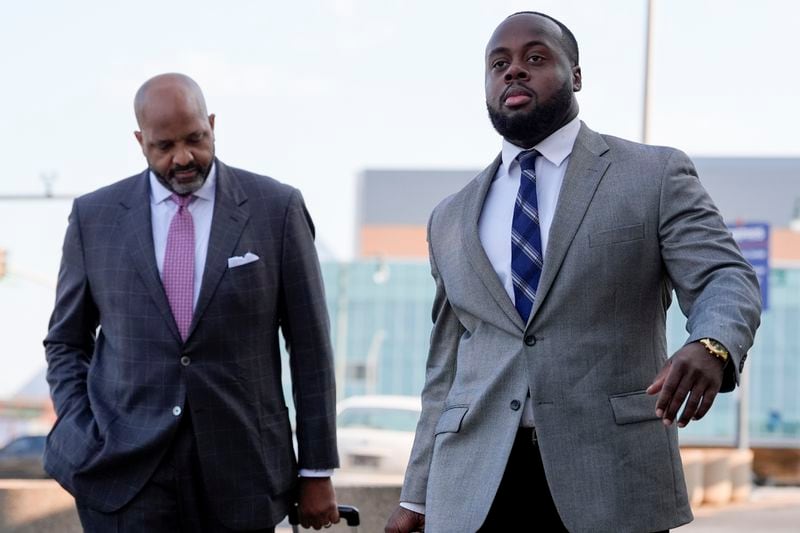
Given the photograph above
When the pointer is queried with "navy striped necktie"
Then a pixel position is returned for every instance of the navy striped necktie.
(526, 239)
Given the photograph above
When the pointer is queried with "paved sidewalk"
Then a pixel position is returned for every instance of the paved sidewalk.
(770, 510)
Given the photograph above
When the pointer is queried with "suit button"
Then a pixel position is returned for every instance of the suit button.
(530, 340)
(176, 411)
(515, 405)
(185, 360)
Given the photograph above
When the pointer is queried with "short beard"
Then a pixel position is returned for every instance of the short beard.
(183, 189)
(528, 129)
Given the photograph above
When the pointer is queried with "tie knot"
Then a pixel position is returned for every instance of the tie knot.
(527, 159)
(182, 201)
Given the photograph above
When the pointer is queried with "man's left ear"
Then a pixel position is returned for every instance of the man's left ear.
(211, 118)
(576, 78)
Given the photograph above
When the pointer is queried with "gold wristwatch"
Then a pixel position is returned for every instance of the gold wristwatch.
(715, 348)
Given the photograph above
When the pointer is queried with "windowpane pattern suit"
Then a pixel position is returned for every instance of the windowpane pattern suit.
(116, 388)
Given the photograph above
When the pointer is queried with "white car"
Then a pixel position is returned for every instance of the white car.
(375, 433)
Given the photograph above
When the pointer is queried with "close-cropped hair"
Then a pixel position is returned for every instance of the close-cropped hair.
(568, 41)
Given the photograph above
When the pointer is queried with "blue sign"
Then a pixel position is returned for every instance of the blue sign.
(753, 239)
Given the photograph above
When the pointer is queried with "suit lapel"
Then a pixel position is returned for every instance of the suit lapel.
(473, 205)
(229, 219)
(137, 226)
(586, 169)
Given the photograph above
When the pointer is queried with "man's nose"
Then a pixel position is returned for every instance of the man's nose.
(516, 72)
(183, 157)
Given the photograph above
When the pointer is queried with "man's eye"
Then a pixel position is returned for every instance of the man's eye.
(535, 59)
(163, 146)
(499, 64)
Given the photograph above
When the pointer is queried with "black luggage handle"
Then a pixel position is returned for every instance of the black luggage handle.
(347, 512)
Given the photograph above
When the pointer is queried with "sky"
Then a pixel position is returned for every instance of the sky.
(314, 92)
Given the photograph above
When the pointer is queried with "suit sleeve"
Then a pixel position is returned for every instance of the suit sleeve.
(716, 288)
(71, 336)
(440, 371)
(306, 329)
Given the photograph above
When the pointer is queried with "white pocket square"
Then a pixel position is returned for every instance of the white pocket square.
(239, 260)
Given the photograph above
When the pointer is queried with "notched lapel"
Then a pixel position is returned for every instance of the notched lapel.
(586, 168)
(229, 220)
(473, 248)
(137, 226)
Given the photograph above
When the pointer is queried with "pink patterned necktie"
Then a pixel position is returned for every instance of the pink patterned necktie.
(178, 274)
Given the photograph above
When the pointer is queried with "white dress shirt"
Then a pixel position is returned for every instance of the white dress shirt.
(162, 209)
(494, 225)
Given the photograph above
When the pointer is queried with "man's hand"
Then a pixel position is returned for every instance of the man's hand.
(692, 372)
(404, 521)
(317, 503)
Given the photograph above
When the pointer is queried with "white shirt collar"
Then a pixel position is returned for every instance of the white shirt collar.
(555, 148)
(159, 193)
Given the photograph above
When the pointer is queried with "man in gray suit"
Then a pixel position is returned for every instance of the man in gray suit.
(550, 403)
(163, 349)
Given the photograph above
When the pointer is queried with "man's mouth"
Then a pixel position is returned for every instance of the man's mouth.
(186, 174)
(517, 97)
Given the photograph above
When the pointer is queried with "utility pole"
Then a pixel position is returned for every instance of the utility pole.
(648, 71)
(47, 179)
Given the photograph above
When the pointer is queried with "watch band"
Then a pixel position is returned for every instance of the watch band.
(715, 348)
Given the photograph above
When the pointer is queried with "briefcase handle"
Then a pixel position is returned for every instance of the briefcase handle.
(347, 512)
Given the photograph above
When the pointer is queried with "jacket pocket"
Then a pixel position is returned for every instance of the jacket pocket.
(277, 452)
(70, 441)
(450, 419)
(633, 407)
(633, 232)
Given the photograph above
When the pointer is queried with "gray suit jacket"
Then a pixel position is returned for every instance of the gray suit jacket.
(115, 387)
(632, 223)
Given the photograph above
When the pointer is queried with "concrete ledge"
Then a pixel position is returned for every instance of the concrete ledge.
(374, 503)
(42, 506)
(36, 506)
(717, 483)
(741, 475)
(693, 467)
(717, 476)
(375, 496)
(714, 477)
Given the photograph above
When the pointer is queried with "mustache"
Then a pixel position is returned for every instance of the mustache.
(183, 168)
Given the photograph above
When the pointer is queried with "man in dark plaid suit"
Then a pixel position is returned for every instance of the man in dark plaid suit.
(172, 420)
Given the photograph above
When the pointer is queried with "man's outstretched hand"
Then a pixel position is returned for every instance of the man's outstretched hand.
(691, 372)
(404, 521)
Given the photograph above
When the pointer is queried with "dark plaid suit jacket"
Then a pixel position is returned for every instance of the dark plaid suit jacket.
(114, 353)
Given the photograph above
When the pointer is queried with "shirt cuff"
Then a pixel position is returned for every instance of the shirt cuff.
(307, 472)
(418, 508)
